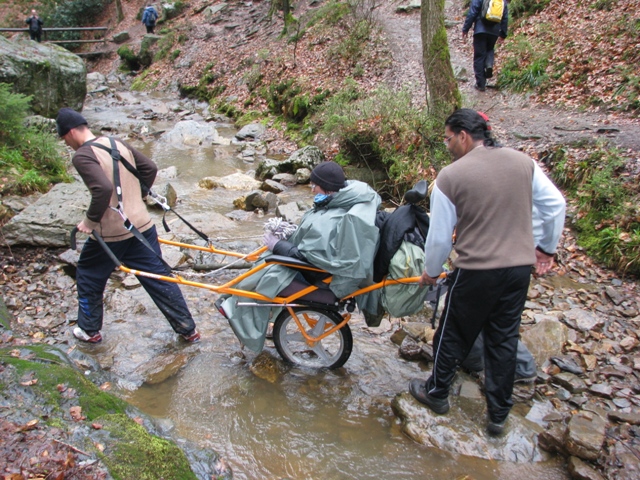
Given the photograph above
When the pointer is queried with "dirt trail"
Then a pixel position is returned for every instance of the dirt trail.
(515, 118)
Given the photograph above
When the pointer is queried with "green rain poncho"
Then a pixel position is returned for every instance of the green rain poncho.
(340, 238)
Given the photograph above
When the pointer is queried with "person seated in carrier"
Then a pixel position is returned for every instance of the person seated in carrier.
(338, 234)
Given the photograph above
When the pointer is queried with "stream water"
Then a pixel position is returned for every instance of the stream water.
(265, 418)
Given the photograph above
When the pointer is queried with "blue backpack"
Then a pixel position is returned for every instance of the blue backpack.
(149, 16)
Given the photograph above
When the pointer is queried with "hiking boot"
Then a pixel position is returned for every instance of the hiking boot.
(417, 388)
(193, 337)
(495, 429)
(480, 89)
(488, 72)
(220, 308)
(80, 334)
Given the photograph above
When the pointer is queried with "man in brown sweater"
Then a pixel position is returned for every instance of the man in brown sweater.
(487, 196)
(105, 216)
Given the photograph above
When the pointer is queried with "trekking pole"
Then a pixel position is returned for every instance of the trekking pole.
(100, 241)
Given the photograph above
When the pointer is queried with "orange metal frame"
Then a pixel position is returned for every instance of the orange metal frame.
(285, 302)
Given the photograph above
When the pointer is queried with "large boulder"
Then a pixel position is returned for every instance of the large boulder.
(49, 221)
(54, 76)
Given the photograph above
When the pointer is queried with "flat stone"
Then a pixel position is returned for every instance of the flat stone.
(632, 418)
(580, 470)
(582, 320)
(569, 381)
(613, 294)
(602, 390)
(585, 435)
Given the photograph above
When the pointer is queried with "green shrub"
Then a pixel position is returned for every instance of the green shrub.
(130, 60)
(30, 156)
(289, 99)
(382, 130)
(606, 203)
(68, 13)
(164, 46)
(525, 8)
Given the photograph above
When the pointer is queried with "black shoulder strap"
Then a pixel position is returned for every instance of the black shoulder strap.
(146, 189)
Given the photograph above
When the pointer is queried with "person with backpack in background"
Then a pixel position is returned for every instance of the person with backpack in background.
(490, 21)
(35, 26)
(117, 212)
(149, 17)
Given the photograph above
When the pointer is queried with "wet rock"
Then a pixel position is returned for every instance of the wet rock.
(258, 199)
(189, 133)
(545, 339)
(251, 131)
(166, 190)
(266, 367)
(286, 179)
(568, 364)
(427, 352)
(410, 349)
(235, 181)
(130, 282)
(570, 382)
(461, 431)
(627, 460)
(552, 439)
(582, 320)
(601, 390)
(291, 212)
(585, 435)
(161, 367)
(579, 470)
(273, 187)
(632, 418)
(70, 257)
(398, 336)
(470, 390)
(168, 173)
(613, 294)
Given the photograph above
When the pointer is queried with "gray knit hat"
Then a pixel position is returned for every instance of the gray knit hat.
(67, 119)
(328, 176)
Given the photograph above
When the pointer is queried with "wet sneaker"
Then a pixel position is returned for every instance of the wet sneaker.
(192, 338)
(80, 334)
(220, 308)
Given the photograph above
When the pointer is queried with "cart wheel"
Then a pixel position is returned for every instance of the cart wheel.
(330, 352)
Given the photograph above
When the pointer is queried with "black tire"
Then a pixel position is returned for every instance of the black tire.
(331, 352)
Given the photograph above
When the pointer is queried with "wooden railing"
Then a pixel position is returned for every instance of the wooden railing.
(64, 29)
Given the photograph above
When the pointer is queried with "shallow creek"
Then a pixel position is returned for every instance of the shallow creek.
(266, 419)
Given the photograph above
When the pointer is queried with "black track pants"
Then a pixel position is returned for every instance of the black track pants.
(492, 300)
(483, 45)
(95, 267)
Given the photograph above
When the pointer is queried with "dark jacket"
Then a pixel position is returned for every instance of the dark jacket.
(483, 26)
(394, 228)
(35, 23)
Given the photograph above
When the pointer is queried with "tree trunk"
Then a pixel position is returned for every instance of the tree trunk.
(443, 96)
(119, 14)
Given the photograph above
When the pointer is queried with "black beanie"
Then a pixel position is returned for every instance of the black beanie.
(67, 119)
(328, 176)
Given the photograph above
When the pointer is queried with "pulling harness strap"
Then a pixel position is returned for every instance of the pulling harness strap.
(146, 189)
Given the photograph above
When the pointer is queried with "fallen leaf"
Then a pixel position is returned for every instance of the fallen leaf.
(138, 420)
(76, 413)
(96, 426)
(99, 446)
(105, 386)
(28, 383)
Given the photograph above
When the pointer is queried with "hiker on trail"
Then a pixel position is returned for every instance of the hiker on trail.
(485, 35)
(487, 195)
(35, 26)
(149, 17)
(118, 213)
(338, 234)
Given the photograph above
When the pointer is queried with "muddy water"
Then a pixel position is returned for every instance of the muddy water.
(268, 420)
